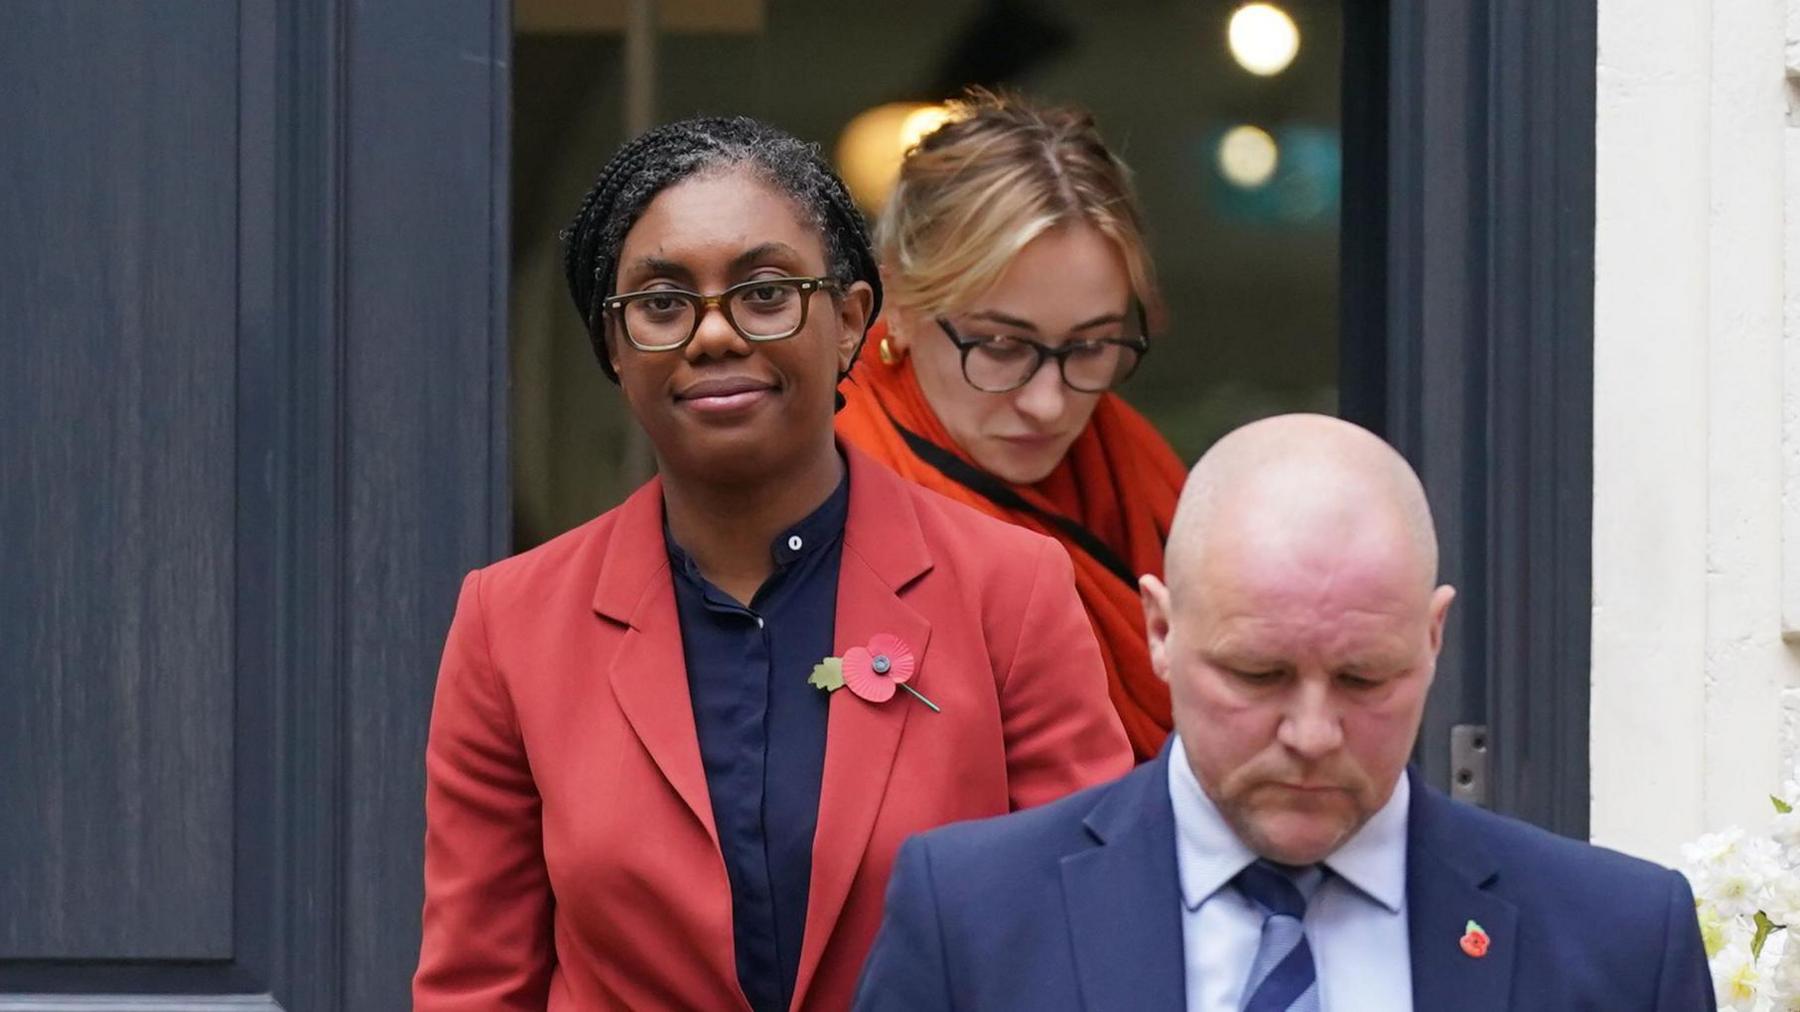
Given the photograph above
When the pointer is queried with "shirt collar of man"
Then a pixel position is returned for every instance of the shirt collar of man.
(1208, 854)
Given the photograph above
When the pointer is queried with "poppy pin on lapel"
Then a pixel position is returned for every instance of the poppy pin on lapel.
(1474, 941)
(874, 672)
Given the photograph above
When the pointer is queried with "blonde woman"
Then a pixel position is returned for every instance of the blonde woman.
(1020, 294)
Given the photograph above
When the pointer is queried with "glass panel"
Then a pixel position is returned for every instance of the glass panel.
(1238, 172)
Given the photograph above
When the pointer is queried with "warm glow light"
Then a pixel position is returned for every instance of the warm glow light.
(872, 145)
(920, 122)
(1248, 156)
(1264, 39)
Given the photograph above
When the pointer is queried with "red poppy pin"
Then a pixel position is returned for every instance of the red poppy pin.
(1474, 941)
(873, 672)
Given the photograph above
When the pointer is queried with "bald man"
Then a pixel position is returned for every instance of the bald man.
(1279, 855)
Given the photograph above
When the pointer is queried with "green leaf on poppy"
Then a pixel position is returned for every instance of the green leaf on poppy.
(828, 674)
(1473, 929)
(1780, 805)
(1764, 928)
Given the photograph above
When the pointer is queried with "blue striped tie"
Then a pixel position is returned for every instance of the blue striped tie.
(1282, 978)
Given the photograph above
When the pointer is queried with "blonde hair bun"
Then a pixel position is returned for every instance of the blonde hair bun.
(1000, 172)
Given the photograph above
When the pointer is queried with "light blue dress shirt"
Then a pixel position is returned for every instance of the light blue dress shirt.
(1355, 923)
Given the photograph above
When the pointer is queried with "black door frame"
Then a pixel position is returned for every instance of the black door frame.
(1468, 285)
(371, 473)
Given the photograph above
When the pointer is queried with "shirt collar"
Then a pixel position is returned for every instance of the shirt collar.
(822, 527)
(1208, 854)
(817, 529)
(1374, 860)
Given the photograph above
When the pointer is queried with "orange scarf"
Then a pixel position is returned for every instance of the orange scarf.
(1119, 481)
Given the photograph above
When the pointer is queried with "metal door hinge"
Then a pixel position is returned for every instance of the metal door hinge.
(1469, 763)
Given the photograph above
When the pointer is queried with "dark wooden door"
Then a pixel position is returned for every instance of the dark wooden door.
(1468, 340)
(252, 345)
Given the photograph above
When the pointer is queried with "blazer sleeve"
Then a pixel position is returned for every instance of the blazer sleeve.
(906, 970)
(1062, 733)
(1686, 980)
(487, 921)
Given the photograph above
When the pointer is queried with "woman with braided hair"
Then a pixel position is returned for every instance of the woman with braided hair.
(674, 751)
(1022, 294)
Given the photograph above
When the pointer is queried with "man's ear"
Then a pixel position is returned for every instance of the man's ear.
(853, 322)
(1440, 612)
(1155, 597)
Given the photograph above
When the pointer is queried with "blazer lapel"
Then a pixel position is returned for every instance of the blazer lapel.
(884, 552)
(1448, 872)
(1124, 898)
(649, 670)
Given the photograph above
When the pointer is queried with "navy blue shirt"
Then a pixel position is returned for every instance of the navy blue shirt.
(762, 733)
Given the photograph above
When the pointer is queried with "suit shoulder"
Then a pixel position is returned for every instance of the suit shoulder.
(568, 562)
(1575, 868)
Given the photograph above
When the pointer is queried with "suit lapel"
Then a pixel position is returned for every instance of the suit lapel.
(1123, 898)
(884, 552)
(1448, 871)
(649, 669)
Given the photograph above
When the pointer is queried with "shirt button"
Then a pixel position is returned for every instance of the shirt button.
(759, 621)
(794, 542)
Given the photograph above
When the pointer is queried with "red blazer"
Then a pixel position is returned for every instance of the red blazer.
(570, 856)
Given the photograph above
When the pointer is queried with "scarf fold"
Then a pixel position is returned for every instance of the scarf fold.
(1118, 485)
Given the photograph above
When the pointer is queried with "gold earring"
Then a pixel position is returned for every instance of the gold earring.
(887, 353)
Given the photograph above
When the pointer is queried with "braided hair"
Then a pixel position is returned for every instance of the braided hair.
(666, 155)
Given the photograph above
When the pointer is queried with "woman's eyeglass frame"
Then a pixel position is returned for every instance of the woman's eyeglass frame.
(1140, 345)
(615, 305)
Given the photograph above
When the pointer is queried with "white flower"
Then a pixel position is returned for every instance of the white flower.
(1780, 898)
(1715, 931)
(1782, 982)
(1785, 831)
(1738, 877)
(1702, 859)
(1736, 980)
(1736, 883)
(1711, 848)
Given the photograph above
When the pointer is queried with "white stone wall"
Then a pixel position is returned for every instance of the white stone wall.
(1697, 418)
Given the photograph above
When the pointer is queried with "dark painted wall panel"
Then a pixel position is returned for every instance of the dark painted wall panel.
(424, 303)
(118, 322)
(251, 410)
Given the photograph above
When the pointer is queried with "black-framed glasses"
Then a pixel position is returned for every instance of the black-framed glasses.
(761, 309)
(999, 363)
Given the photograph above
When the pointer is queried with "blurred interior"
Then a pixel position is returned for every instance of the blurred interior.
(1235, 146)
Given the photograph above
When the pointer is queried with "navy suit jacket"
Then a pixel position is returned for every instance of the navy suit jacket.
(1076, 905)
